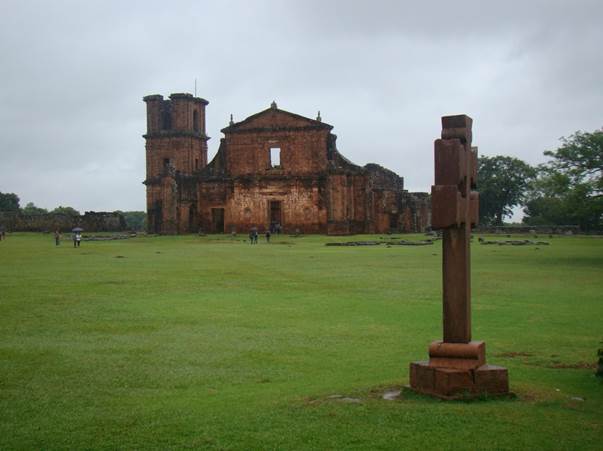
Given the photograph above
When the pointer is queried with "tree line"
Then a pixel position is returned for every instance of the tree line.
(565, 190)
(10, 202)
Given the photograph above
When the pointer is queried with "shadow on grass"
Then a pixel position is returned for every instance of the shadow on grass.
(404, 394)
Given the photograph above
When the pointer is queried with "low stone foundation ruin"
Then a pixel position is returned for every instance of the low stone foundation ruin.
(90, 221)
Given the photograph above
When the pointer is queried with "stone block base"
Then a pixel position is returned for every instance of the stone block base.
(451, 383)
(460, 356)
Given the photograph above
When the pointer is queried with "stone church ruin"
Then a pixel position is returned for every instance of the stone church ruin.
(275, 169)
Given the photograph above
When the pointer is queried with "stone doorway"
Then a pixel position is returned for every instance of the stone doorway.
(157, 217)
(217, 220)
(193, 223)
(393, 222)
(276, 214)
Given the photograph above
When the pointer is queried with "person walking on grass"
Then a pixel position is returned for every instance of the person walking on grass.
(255, 236)
(57, 237)
(268, 236)
(78, 238)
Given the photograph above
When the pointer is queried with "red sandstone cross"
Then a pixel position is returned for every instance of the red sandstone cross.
(457, 365)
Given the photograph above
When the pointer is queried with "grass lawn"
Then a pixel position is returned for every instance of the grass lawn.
(208, 342)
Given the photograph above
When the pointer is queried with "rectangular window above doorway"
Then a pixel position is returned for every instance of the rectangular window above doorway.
(275, 157)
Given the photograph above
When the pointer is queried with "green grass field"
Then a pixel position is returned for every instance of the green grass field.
(208, 342)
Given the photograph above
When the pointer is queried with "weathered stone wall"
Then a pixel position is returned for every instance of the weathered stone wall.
(347, 203)
(382, 178)
(385, 211)
(299, 201)
(91, 222)
(103, 222)
(162, 205)
(213, 193)
(415, 212)
(181, 113)
(185, 154)
(301, 152)
(393, 209)
(312, 189)
(176, 148)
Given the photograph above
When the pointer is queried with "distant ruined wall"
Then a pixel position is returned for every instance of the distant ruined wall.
(102, 222)
(91, 222)
(383, 178)
(347, 201)
(394, 209)
(415, 212)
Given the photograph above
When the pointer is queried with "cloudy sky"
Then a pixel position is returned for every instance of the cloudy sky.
(73, 74)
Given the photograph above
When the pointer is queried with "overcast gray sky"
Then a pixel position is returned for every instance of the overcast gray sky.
(73, 74)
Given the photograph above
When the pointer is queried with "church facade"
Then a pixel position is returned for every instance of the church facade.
(275, 169)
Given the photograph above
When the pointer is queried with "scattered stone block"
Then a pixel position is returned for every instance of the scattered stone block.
(513, 242)
(392, 395)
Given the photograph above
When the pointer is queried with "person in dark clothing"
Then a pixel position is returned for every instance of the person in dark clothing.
(57, 237)
(253, 235)
(267, 236)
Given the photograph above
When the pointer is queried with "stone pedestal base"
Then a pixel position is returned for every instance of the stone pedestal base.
(458, 370)
(448, 383)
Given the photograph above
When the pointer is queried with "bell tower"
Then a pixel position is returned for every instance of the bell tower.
(176, 148)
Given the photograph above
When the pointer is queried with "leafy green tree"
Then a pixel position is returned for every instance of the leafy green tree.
(66, 211)
(502, 184)
(569, 189)
(31, 209)
(9, 202)
(581, 159)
